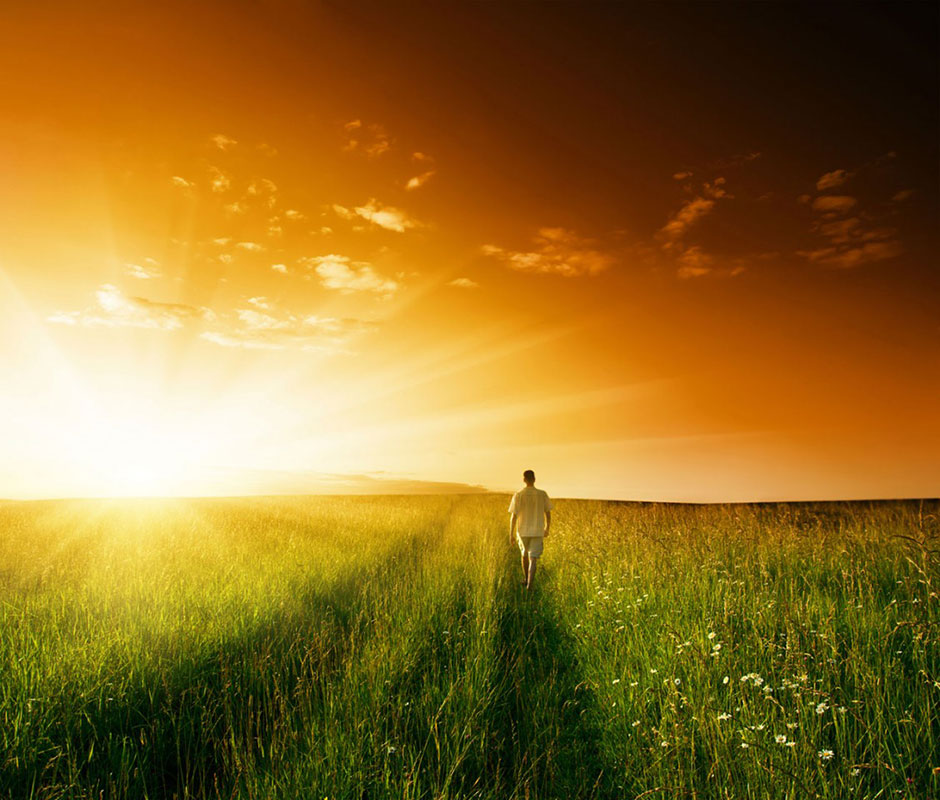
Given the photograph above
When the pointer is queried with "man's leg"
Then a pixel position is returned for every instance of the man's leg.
(531, 575)
(525, 566)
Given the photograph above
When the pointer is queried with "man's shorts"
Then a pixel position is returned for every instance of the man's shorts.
(530, 546)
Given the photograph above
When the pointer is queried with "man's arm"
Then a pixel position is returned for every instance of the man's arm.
(548, 521)
(512, 526)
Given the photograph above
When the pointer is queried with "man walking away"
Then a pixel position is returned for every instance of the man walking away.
(529, 523)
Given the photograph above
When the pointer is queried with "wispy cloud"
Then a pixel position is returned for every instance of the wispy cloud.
(388, 217)
(344, 275)
(832, 179)
(223, 142)
(556, 251)
(262, 190)
(694, 209)
(463, 283)
(251, 247)
(693, 263)
(256, 330)
(181, 183)
(851, 237)
(833, 205)
(690, 259)
(219, 181)
(259, 325)
(146, 270)
(371, 140)
(419, 180)
(114, 309)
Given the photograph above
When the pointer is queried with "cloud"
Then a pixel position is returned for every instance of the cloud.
(282, 268)
(693, 263)
(346, 276)
(280, 330)
(856, 255)
(147, 270)
(903, 195)
(371, 140)
(736, 161)
(463, 283)
(267, 150)
(834, 204)
(115, 309)
(419, 180)
(219, 181)
(556, 251)
(850, 240)
(681, 176)
(181, 183)
(392, 219)
(294, 214)
(222, 141)
(259, 326)
(263, 190)
(251, 247)
(694, 209)
(832, 179)
(236, 208)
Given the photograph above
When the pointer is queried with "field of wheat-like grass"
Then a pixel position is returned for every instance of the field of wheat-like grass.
(383, 647)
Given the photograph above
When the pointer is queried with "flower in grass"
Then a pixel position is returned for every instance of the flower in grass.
(723, 716)
(664, 743)
(653, 671)
(821, 708)
(792, 725)
(615, 681)
(791, 743)
(725, 680)
(825, 755)
(711, 634)
(856, 772)
(780, 739)
(677, 681)
(744, 745)
(635, 723)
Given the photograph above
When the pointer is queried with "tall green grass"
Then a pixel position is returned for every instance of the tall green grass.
(384, 648)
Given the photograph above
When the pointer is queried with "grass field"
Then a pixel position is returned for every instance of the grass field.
(384, 648)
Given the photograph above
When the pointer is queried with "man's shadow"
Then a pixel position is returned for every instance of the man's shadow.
(547, 714)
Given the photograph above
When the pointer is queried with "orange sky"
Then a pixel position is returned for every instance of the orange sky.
(683, 253)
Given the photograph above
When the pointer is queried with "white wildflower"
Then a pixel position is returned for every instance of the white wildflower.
(825, 755)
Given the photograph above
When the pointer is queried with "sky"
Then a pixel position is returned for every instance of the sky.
(660, 251)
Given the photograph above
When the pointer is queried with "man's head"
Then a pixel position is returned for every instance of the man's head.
(529, 477)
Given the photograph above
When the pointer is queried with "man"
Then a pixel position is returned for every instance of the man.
(531, 511)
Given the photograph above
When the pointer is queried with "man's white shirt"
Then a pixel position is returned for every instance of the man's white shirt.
(529, 505)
